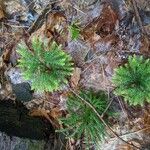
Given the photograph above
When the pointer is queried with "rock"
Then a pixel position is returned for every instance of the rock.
(16, 143)
(22, 91)
(15, 75)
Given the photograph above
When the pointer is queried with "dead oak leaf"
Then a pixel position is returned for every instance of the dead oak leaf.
(55, 28)
(103, 25)
(75, 77)
(107, 21)
(55, 113)
(145, 45)
(51, 116)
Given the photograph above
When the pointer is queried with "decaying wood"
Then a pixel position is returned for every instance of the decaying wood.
(15, 121)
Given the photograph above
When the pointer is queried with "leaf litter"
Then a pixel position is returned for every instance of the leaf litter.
(110, 32)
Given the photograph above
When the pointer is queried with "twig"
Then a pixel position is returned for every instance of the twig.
(16, 26)
(3, 34)
(107, 107)
(90, 62)
(135, 132)
(75, 7)
(103, 73)
(98, 115)
(123, 108)
(138, 17)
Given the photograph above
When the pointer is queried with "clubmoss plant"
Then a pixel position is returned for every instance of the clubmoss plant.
(82, 120)
(47, 67)
(74, 30)
(132, 80)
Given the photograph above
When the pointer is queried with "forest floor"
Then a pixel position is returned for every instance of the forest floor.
(110, 31)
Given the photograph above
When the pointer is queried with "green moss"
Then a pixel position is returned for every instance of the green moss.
(74, 30)
(132, 80)
(47, 67)
(82, 120)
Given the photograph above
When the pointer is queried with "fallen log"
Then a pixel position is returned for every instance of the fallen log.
(15, 121)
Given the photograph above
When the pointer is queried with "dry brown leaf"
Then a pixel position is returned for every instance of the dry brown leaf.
(75, 77)
(2, 72)
(104, 25)
(5, 86)
(2, 10)
(56, 21)
(55, 113)
(136, 142)
(113, 62)
(55, 28)
(146, 121)
(53, 98)
(145, 45)
(107, 21)
(41, 112)
(125, 147)
(9, 54)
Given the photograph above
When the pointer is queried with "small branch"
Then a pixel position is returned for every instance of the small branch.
(123, 108)
(75, 7)
(107, 108)
(98, 115)
(135, 132)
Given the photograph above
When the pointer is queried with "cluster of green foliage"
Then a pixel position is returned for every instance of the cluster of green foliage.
(47, 67)
(133, 80)
(82, 120)
(74, 30)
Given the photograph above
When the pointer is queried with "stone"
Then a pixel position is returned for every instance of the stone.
(22, 91)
